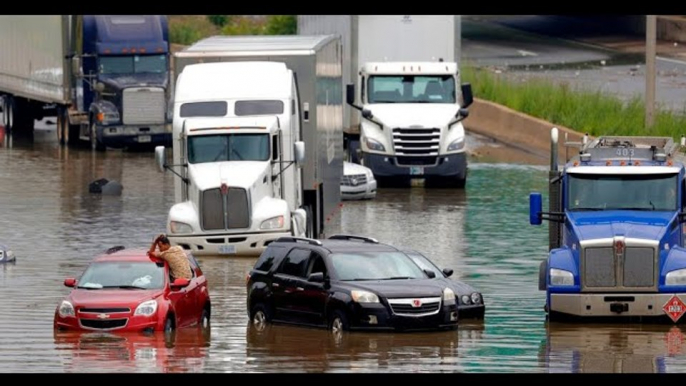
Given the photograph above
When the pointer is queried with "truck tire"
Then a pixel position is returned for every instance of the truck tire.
(62, 129)
(74, 134)
(7, 113)
(542, 276)
(93, 134)
(309, 230)
(21, 117)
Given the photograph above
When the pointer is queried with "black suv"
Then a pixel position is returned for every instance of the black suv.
(346, 282)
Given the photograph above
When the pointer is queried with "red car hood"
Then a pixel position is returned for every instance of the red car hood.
(111, 297)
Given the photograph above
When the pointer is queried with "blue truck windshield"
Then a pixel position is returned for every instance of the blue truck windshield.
(411, 89)
(228, 147)
(652, 192)
(132, 64)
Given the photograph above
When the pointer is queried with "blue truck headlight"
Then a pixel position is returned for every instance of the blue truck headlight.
(676, 277)
(374, 145)
(456, 145)
(561, 277)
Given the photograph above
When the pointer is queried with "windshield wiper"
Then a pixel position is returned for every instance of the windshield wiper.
(88, 288)
(588, 209)
(635, 208)
(359, 279)
(399, 278)
(124, 287)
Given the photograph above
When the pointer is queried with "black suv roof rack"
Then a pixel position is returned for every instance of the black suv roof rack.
(353, 237)
(296, 239)
(115, 249)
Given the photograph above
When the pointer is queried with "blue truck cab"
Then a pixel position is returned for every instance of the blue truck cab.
(125, 84)
(616, 230)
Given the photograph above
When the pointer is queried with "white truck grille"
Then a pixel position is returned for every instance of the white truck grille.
(143, 105)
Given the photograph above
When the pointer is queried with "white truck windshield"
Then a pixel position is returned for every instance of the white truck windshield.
(411, 89)
(228, 147)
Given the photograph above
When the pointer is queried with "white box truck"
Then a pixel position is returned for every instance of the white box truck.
(403, 105)
(257, 142)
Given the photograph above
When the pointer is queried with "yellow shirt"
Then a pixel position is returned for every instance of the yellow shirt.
(178, 262)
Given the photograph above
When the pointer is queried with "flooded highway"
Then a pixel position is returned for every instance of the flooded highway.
(55, 227)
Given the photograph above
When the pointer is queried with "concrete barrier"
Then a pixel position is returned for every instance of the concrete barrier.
(517, 129)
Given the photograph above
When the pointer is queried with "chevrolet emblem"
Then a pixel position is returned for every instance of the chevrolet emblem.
(103, 316)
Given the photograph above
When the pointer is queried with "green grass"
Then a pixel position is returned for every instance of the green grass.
(590, 112)
(187, 29)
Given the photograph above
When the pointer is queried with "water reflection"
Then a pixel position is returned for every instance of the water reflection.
(608, 348)
(183, 351)
(319, 350)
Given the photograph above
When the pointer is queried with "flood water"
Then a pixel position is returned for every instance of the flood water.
(56, 227)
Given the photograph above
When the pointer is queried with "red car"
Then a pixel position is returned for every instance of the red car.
(127, 291)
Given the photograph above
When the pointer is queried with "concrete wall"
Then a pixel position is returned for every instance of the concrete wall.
(517, 129)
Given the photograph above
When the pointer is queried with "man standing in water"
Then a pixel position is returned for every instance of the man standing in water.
(179, 266)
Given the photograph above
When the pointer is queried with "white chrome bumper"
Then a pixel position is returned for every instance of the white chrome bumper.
(247, 244)
(600, 304)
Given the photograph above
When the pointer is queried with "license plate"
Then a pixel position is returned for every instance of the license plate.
(417, 170)
(227, 249)
(144, 138)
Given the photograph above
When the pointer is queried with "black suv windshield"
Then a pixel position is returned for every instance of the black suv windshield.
(375, 266)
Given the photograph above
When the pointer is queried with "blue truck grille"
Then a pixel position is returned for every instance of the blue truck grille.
(632, 269)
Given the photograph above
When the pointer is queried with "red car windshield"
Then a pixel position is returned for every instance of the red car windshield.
(127, 275)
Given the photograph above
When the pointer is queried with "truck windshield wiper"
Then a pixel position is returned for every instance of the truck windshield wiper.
(399, 278)
(588, 209)
(359, 279)
(635, 208)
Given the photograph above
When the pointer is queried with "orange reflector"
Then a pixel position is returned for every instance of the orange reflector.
(637, 163)
(101, 117)
(133, 50)
(160, 50)
(622, 163)
(142, 50)
(107, 51)
(124, 50)
(608, 163)
(576, 163)
(669, 163)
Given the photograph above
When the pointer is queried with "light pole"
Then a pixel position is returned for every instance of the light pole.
(650, 70)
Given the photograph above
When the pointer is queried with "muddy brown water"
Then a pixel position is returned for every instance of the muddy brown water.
(56, 227)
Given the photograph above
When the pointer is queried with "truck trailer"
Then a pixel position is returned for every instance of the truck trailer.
(403, 109)
(257, 142)
(105, 77)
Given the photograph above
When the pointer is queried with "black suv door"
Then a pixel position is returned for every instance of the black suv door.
(287, 282)
(315, 294)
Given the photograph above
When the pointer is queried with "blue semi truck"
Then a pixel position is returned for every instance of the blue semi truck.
(616, 230)
(105, 77)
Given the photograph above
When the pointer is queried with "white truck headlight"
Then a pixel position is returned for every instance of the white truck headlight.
(66, 309)
(272, 223)
(561, 277)
(364, 296)
(457, 144)
(180, 227)
(146, 308)
(448, 296)
(374, 145)
(676, 277)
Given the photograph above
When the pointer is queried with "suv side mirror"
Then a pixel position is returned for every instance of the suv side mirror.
(180, 283)
(447, 271)
(430, 274)
(70, 282)
(316, 277)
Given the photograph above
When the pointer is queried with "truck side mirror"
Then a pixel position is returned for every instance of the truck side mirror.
(367, 114)
(76, 67)
(350, 94)
(160, 157)
(535, 208)
(462, 113)
(299, 149)
(467, 97)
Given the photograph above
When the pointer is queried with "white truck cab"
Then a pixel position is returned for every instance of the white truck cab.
(237, 151)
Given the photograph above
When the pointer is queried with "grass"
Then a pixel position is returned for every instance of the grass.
(187, 29)
(596, 113)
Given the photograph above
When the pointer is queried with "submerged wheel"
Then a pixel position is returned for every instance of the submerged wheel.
(169, 325)
(338, 322)
(260, 317)
(205, 319)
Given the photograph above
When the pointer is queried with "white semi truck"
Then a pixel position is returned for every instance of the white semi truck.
(257, 142)
(403, 108)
